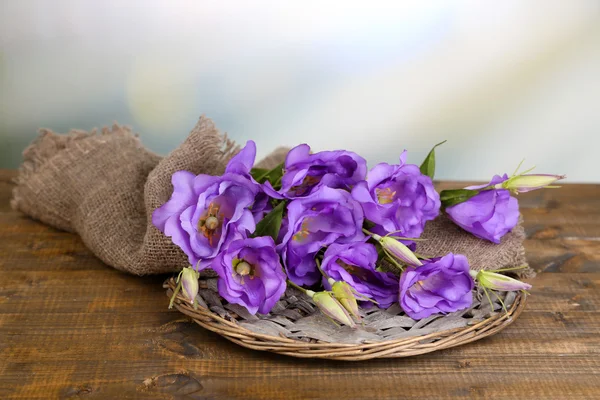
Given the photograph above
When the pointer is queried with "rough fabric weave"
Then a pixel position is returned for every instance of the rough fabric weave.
(105, 185)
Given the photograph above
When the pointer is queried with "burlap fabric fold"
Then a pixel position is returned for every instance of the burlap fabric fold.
(105, 185)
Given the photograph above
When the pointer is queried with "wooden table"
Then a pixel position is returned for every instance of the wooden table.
(71, 327)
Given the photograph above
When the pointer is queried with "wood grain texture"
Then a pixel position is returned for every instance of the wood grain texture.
(70, 327)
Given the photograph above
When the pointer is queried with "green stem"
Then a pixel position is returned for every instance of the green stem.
(489, 298)
(393, 261)
(296, 286)
(518, 167)
(501, 302)
(391, 234)
(175, 292)
(374, 236)
(321, 269)
(422, 256)
(508, 269)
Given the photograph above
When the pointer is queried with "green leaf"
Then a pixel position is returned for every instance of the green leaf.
(428, 166)
(274, 175)
(271, 223)
(368, 224)
(453, 197)
(258, 173)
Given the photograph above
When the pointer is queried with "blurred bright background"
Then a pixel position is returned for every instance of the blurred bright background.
(501, 80)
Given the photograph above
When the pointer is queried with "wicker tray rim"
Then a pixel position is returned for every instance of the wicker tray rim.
(402, 347)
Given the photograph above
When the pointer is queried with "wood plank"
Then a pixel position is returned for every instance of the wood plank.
(566, 333)
(155, 340)
(277, 378)
(71, 327)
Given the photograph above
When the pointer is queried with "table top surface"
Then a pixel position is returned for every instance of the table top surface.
(72, 327)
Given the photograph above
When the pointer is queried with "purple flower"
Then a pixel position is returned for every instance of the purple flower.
(327, 216)
(441, 285)
(250, 274)
(354, 263)
(305, 173)
(489, 214)
(206, 212)
(398, 198)
(241, 164)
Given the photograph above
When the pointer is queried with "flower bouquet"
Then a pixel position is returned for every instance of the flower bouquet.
(320, 253)
(304, 254)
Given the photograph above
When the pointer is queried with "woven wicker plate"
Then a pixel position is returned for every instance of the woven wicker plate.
(296, 328)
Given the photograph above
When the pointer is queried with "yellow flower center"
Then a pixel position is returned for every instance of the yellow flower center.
(242, 269)
(305, 185)
(354, 270)
(385, 196)
(210, 223)
(303, 233)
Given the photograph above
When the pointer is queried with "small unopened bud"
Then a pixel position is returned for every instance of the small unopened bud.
(189, 283)
(529, 182)
(398, 250)
(331, 307)
(495, 281)
(343, 293)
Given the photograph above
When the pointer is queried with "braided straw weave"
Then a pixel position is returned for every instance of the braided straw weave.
(296, 328)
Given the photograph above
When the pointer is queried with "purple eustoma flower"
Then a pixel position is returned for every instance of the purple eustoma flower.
(241, 164)
(250, 274)
(206, 212)
(489, 214)
(441, 285)
(354, 263)
(305, 173)
(398, 198)
(327, 216)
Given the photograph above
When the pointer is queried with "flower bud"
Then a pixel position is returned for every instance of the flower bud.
(495, 281)
(529, 182)
(343, 293)
(398, 250)
(331, 307)
(189, 283)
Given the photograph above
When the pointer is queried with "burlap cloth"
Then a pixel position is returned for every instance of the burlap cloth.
(105, 185)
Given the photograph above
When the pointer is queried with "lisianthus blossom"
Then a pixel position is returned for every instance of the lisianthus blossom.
(241, 164)
(325, 217)
(250, 274)
(305, 172)
(440, 285)
(398, 198)
(206, 212)
(354, 263)
(490, 214)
